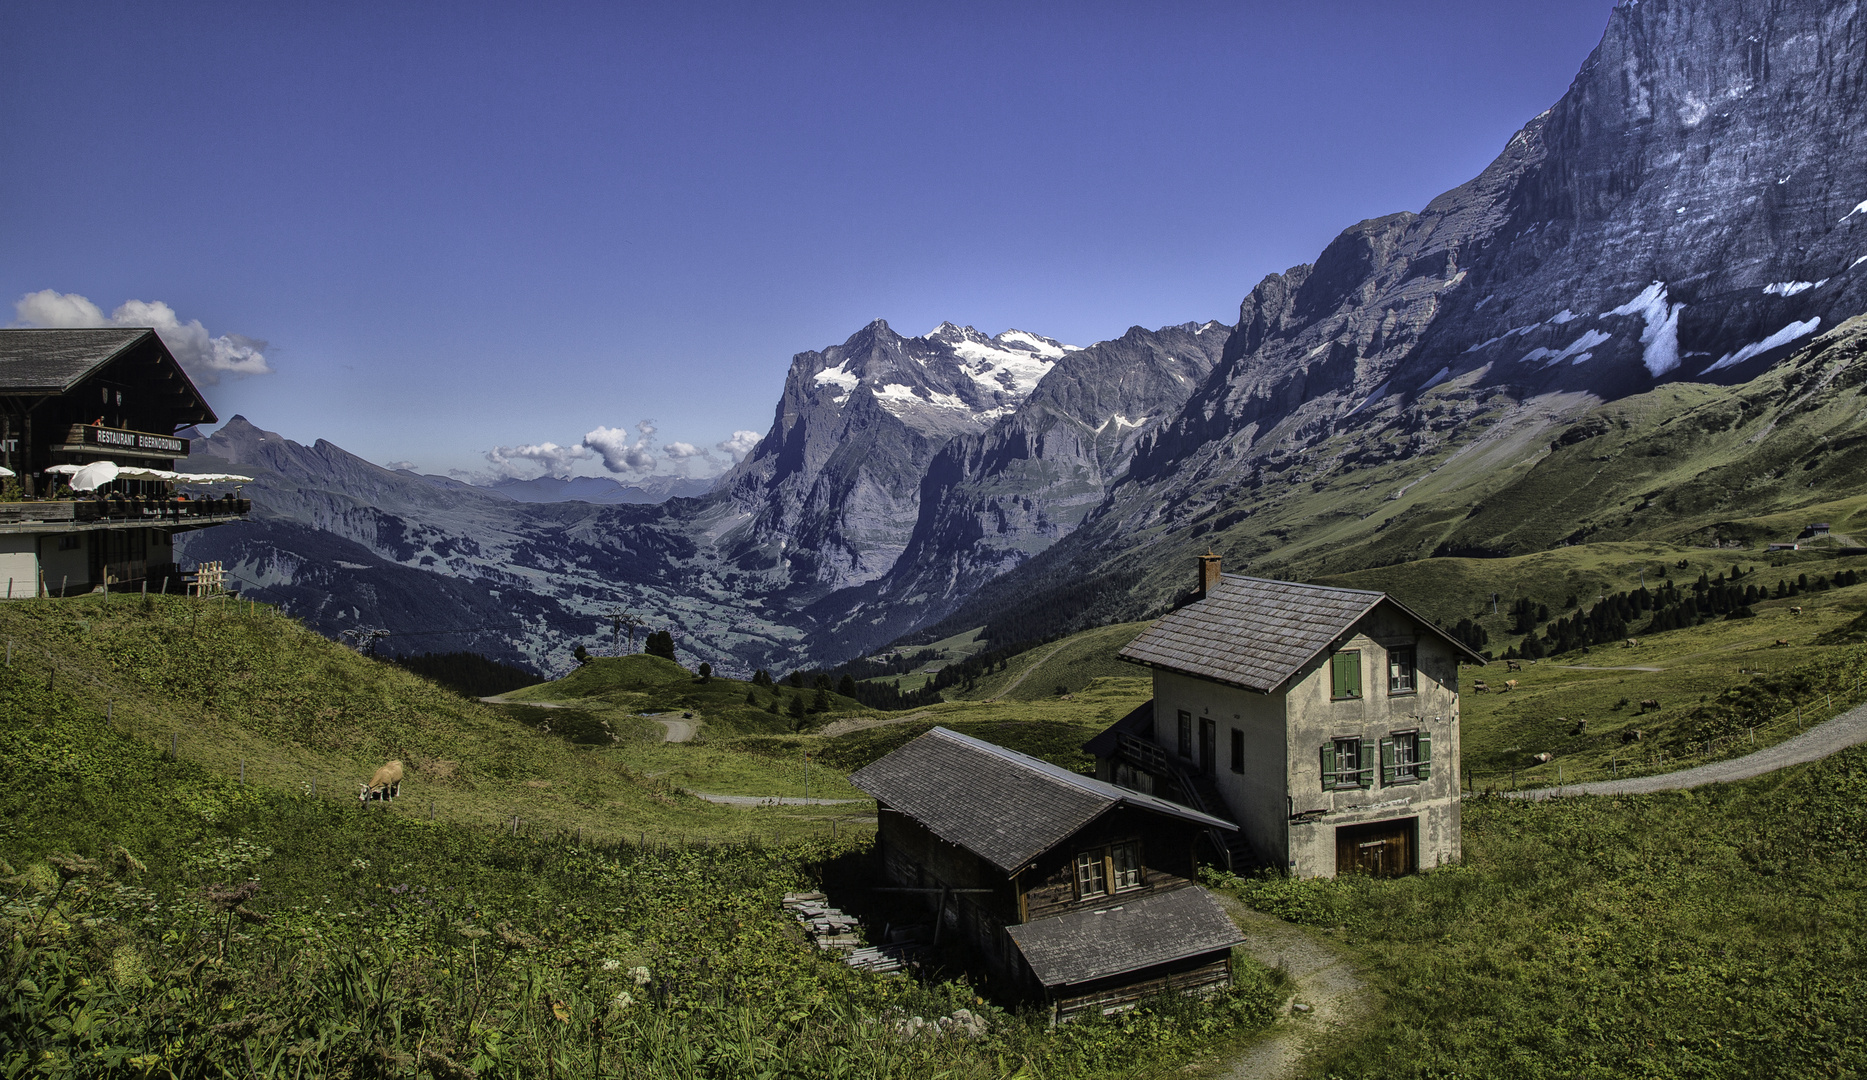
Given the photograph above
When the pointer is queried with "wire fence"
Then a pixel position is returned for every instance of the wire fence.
(1632, 760)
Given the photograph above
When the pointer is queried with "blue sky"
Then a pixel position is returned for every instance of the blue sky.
(444, 228)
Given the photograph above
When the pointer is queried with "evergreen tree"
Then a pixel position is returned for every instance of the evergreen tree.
(660, 643)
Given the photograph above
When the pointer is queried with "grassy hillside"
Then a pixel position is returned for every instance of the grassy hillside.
(1709, 934)
(236, 685)
(1071, 663)
(165, 917)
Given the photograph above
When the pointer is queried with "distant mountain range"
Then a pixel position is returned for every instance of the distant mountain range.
(1639, 266)
(599, 489)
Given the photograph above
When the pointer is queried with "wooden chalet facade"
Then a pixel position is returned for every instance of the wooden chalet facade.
(74, 397)
(1323, 721)
(1072, 891)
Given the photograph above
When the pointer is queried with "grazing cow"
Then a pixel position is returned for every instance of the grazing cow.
(1631, 643)
(1632, 735)
(1782, 641)
(384, 784)
(1512, 665)
(1796, 610)
(1580, 728)
(1542, 759)
(1509, 685)
(1479, 687)
(1649, 705)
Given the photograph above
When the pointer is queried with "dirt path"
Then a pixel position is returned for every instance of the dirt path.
(676, 730)
(500, 699)
(1587, 667)
(768, 800)
(1324, 981)
(1026, 673)
(1828, 737)
(844, 727)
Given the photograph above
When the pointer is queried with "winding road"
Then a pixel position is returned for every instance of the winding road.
(1828, 737)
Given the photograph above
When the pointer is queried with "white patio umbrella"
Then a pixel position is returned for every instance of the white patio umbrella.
(62, 470)
(94, 476)
(5, 472)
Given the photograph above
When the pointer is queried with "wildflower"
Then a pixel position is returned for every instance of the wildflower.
(622, 1000)
(640, 975)
(611, 965)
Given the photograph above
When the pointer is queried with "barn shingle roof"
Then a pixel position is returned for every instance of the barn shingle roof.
(1257, 633)
(1067, 950)
(52, 361)
(1006, 807)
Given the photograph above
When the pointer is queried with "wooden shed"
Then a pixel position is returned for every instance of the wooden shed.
(1070, 890)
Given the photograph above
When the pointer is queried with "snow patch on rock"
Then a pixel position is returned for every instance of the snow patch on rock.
(1661, 337)
(1782, 337)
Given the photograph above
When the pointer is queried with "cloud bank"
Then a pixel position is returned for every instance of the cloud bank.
(206, 358)
(622, 452)
(511, 462)
(741, 444)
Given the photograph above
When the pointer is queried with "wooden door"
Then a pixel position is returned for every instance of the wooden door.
(1208, 745)
(1378, 849)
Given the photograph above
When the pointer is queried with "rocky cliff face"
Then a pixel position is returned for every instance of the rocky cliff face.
(1693, 209)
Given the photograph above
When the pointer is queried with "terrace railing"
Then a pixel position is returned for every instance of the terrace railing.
(120, 509)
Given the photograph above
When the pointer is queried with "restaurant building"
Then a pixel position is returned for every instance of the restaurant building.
(112, 399)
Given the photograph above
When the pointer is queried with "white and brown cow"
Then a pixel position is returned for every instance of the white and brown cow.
(384, 784)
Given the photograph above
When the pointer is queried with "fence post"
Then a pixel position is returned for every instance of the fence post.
(172, 754)
(242, 770)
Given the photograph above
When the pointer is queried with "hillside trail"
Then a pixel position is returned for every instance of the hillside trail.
(768, 800)
(1026, 673)
(1322, 979)
(844, 727)
(1828, 737)
(674, 731)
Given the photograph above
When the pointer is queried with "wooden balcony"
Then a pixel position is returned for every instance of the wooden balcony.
(64, 515)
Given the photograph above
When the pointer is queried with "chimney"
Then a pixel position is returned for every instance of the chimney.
(1208, 573)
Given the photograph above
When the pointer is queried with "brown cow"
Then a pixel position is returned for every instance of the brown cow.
(1512, 665)
(384, 784)
(1649, 705)
(1631, 643)
(1542, 759)
(1509, 685)
(1782, 641)
(1479, 687)
(1795, 610)
(1632, 735)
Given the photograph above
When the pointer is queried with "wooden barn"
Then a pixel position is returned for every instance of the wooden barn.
(1072, 891)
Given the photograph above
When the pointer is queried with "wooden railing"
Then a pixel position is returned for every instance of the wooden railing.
(127, 510)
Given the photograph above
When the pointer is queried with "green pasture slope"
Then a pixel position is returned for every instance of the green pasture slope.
(161, 918)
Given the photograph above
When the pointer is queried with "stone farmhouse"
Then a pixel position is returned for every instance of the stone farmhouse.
(1067, 890)
(1324, 722)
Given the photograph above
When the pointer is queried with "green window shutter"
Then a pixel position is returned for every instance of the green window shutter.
(1366, 777)
(1328, 765)
(1425, 755)
(1387, 762)
(1345, 674)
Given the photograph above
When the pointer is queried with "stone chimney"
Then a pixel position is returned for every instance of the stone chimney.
(1208, 573)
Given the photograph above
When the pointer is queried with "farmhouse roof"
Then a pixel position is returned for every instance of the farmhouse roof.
(1157, 928)
(1257, 633)
(39, 361)
(1006, 807)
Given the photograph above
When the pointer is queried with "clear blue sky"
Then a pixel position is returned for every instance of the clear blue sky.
(462, 225)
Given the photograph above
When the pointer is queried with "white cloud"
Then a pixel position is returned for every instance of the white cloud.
(205, 357)
(509, 462)
(680, 450)
(622, 452)
(741, 444)
(402, 466)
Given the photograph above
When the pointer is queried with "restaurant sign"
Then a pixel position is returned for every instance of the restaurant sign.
(144, 441)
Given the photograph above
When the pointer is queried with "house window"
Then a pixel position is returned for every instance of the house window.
(1127, 865)
(1400, 678)
(1091, 874)
(1103, 870)
(1345, 675)
(1347, 763)
(1406, 757)
(1238, 751)
(71, 541)
(1186, 734)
